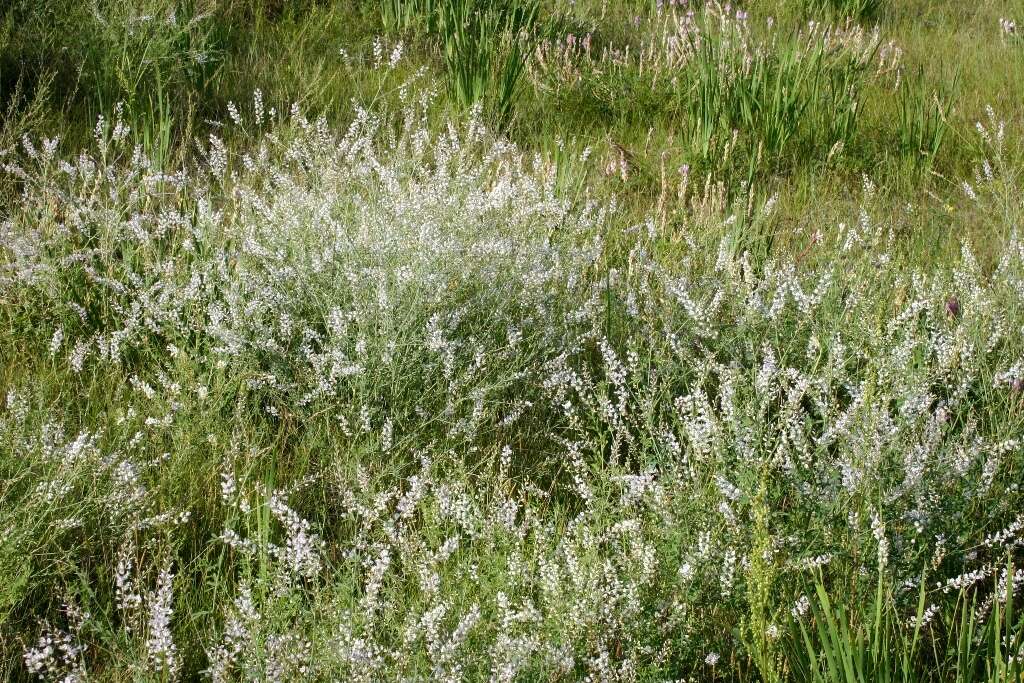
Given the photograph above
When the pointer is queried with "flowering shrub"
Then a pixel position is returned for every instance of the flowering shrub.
(382, 405)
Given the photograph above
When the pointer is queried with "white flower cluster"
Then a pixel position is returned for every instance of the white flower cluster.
(464, 430)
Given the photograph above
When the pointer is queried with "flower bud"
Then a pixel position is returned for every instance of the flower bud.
(953, 307)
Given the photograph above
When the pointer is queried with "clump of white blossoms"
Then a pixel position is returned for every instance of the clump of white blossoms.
(423, 415)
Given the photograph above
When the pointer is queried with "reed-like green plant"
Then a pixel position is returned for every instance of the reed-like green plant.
(800, 93)
(966, 641)
(845, 645)
(844, 9)
(486, 45)
(153, 127)
(923, 118)
(406, 15)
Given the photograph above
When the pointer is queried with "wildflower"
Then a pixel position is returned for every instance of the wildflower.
(878, 531)
(953, 307)
(801, 607)
(163, 653)
(926, 617)
(56, 341)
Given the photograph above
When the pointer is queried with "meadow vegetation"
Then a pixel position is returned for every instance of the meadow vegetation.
(511, 340)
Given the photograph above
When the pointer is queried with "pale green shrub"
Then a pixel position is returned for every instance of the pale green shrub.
(389, 405)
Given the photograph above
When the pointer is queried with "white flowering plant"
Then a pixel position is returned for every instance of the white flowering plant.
(389, 403)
